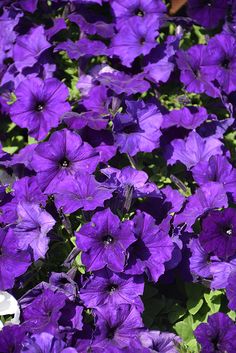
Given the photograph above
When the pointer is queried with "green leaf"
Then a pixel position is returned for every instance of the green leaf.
(195, 294)
(232, 315)
(176, 313)
(194, 305)
(184, 329)
(79, 265)
(213, 300)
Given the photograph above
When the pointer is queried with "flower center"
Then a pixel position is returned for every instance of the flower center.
(39, 106)
(229, 232)
(225, 63)
(215, 342)
(139, 12)
(111, 333)
(64, 163)
(108, 239)
(112, 288)
(130, 128)
(142, 40)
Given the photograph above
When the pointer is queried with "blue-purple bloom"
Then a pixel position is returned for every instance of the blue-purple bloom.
(61, 156)
(39, 105)
(138, 130)
(104, 241)
(153, 247)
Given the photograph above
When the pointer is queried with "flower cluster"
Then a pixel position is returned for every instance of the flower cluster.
(117, 176)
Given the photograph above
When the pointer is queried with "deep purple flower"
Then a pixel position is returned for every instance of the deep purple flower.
(43, 313)
(45, 343)
(138, 130)
(217, 169)
(28, 5)
(107, 287)
(199, 262)
(116, 327)
(147, 9)
(32, 227)
(231, 290)
(11, 338)
(104, 241)
(209, 196)
(29, 47)
(207, 13)
(161, 342)
(136, 37)
(151, 250)
(120, 82)
(129, 178)
(39, 105)
(194, 149)
(13, 262)
(217, 335)
(159, 63)
(220, 272)
(190, 63)
(83, 47)
(81, 191)
(24, 190)
(97, 100)
(188, 117)
(221, 62)
(61, 156)
(218, 235)
(8, 20)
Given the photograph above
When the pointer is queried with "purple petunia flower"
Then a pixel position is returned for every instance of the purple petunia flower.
(129, 9)
(161, 342)
(45, 343)
(136, 37)
(11, 338)
(39, 105)
(209, 196)
(120, 82)
(199, 262)
(216, 169)
(220, 272)
(221, 62)
(8, 20)
(207, 13)
(29, 47)
(13, 261)
(217, 335)
(104, 241)
(116, 327)
(43, 313)
(188, 117)
(32, 227)
(194, 149)
(107, 287)
(81, 191)
(138, 130)
(231, 290)
(151, 250)
(129, 178)
(25, 190)
(218, 235)
(61, 156)
(190, 63)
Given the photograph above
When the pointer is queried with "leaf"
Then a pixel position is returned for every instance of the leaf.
(195, 294)
(176, 313)
(213, 300)
(184, 328)
(194, 305)
(232, 315)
